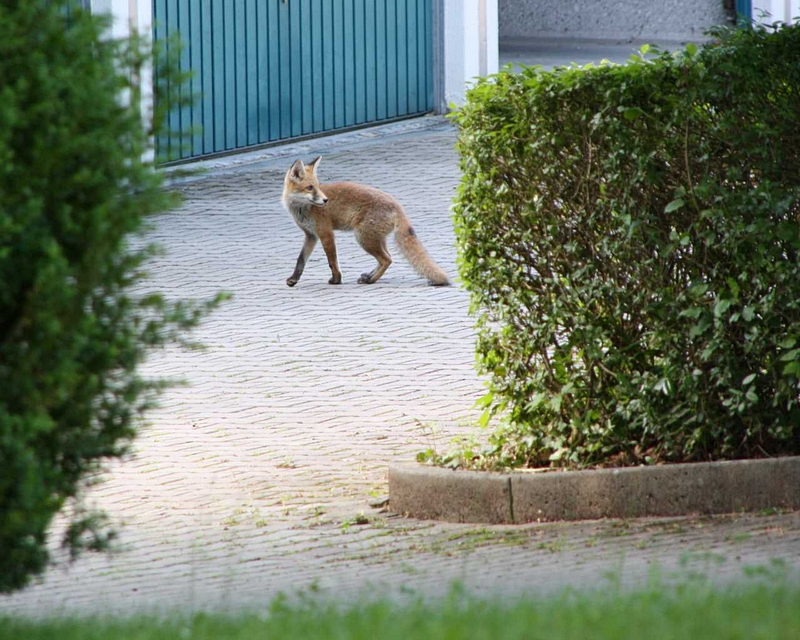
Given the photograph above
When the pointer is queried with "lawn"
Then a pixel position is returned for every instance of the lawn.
(756, 609)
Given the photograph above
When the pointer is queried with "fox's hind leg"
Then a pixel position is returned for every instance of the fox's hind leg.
(376, 247)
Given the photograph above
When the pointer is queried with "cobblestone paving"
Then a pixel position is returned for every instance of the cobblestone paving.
(252, 479)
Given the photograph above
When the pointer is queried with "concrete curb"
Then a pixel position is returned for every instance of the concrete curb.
(433, 493)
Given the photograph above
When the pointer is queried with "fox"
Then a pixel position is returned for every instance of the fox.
(320, 209)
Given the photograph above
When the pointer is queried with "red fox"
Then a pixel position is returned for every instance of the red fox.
(345, 206)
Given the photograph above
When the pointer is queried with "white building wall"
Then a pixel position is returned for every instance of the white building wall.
(769, 11)
(133, 16)
(470, 45)
(673, 20)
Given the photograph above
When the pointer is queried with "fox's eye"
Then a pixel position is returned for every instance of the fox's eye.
(309, 188)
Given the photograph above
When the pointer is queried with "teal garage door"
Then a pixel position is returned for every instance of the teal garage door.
(269, 70)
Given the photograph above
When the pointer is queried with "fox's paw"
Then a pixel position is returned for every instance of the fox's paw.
(366, 278)
(337, 279)
(291, 281)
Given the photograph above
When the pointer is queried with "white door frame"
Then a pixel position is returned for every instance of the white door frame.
(465, 46)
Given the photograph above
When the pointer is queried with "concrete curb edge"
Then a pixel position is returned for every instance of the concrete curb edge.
(433, 493)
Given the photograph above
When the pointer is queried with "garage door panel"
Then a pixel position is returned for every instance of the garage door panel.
(360, 55)
(402, 58)
(269, 70)
(381, 61)
(391, 58)
(317, 102)
(370, 78)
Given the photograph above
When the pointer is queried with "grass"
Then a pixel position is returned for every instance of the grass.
(757, 609)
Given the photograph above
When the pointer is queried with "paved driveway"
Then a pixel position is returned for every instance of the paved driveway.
(252, 479)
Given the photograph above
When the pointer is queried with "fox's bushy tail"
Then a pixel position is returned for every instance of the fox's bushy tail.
(416, 255)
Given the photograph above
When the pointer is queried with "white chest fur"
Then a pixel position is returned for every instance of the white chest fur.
(302, 216)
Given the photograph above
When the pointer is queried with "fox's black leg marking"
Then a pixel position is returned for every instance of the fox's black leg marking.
(308, 246)
(366, 278)
(298, 271)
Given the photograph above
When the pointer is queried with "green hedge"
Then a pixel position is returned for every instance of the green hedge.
(76, 319)
(630, 237)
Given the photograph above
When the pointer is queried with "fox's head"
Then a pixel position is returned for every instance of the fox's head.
(302, 185)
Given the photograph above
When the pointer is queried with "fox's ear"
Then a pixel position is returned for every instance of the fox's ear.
(297, 172)
(315, 163)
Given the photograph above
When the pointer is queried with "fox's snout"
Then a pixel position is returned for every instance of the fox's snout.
(316, 197)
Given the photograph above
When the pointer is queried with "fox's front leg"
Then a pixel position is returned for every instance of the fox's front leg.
(308, 246)
(326, 238)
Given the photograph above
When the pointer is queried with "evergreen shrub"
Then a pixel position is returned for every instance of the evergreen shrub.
(76, 319)
(630, 238)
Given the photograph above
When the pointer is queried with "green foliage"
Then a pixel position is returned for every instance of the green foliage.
(762, 609)
(630, 238)
(75, 320)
